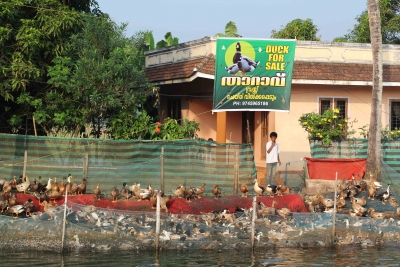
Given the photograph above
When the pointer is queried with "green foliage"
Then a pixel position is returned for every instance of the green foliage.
(102, 81)
(230, 30)
(32, 34)
(297, 29)
(172, 130)
(328, 127)
(169, 40)
(390, 25)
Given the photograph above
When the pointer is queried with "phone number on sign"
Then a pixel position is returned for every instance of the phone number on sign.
(250, 103)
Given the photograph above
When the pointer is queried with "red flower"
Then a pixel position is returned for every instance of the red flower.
(158, 124)
(157, 130)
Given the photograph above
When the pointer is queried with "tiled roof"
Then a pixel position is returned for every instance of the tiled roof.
(342, 71)
(181, 70)
(302, 70)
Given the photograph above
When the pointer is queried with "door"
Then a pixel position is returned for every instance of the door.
(264, 133)
(248, 134)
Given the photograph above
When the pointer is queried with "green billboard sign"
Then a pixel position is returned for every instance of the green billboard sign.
(253, 74)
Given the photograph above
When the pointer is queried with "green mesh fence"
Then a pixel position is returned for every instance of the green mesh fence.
(357, 148)
(110, 162)
(390, 176)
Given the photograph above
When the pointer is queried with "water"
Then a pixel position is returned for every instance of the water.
(342, 256)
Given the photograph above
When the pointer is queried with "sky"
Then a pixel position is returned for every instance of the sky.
(191, 20)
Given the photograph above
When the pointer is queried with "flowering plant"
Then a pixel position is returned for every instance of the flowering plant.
(328, 127)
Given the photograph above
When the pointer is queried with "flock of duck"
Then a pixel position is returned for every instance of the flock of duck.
(356, 206)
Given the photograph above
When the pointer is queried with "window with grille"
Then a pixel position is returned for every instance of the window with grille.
(394, 115)
(174, 109)
(332, 103)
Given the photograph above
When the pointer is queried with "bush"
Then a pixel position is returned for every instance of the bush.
(328, 127)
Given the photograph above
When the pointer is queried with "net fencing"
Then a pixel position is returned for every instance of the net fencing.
(111, 163)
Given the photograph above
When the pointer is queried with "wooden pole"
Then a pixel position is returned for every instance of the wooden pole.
(236, 175)
(162, 169)
(158, 221)
(334, 212)
(64, 222)
(221, 127)
(25, 163)
(253, 222)
(87, 165)
(34, 125)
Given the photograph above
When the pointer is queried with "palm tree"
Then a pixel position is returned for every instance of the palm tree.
(230, 30)
(168, 41)
(374, 137)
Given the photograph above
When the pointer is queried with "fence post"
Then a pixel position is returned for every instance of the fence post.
(162, 169)
(64, 221)
(334, 212)
(158, 221)
(236, 174)
(85, 166)
(25, 163)
(253, 221)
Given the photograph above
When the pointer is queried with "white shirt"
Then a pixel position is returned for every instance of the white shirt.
(272, 156)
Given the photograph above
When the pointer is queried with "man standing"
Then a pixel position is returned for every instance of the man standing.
(272, 156)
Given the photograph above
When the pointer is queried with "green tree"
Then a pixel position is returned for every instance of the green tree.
(230, 30)
(102, 81)
(298, 29)
(389, 20)
(169, 40)
(32, 34)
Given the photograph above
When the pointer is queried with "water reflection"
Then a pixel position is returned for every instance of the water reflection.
(352, 256)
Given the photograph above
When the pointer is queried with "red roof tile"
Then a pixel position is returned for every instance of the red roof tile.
(302, 70)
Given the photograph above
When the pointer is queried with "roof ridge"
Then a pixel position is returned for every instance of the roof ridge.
(204, 62)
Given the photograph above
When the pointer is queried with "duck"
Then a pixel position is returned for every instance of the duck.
(33, 187)
(12, 200)
(189, 194)
(341, 202)
(179, 191)
(362, 201)
(22, 187)
(29, 206)
(55, 186)
(68, 185)
(3, 205)
(281, 189)
(97, 192)
(265, 210)
(283, 212)
(61, 188)
(244, 190)
(7, 186)
(216, 191)
(393, 201)
(40, 185)
(114, 194)
(241, 62)
(74, 187)
(81, 187)
(271, 189)
(163, 203)
(384, 196)
(199, 191)
(326, 202)
(376, 215)
(41, 196)
(371, 191)
(246, 64)
(53, 195)
(125, 192)
(357, 207)
(146, 193)
(16, 209)
(258, 189)
(48, 186)
(48, 208)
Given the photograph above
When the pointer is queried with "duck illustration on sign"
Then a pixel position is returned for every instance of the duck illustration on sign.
(241, 62)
